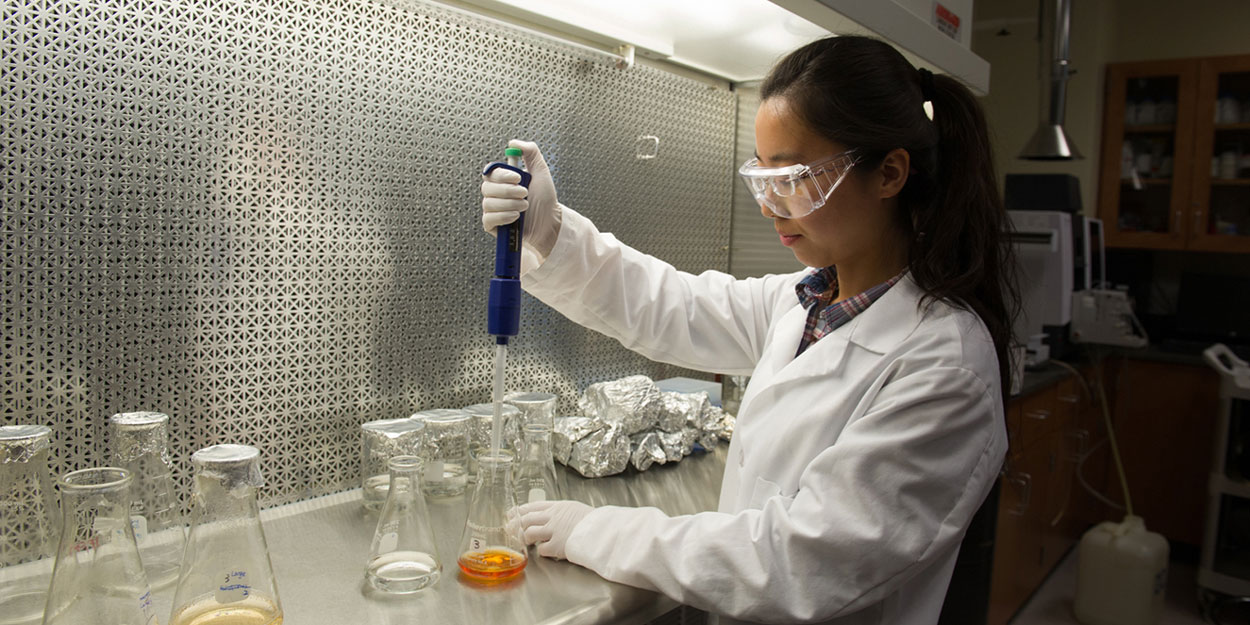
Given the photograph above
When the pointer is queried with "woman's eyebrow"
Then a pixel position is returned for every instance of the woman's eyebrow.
(783, 157)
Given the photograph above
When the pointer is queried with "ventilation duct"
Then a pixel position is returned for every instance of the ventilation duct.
(1050, 142)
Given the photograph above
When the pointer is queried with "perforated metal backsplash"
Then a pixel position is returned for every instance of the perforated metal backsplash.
(262, 216)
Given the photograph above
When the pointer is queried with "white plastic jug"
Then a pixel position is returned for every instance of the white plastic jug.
(1122, 571)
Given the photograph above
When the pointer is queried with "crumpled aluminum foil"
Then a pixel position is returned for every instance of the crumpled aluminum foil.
(138, 434)
(603, 452)
(675, 411)
(630, 421)
(569, 430)
(632, 404)
(647, 450)
(22, 443)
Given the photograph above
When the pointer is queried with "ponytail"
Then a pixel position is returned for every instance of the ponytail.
(862, 93)
(959, 250)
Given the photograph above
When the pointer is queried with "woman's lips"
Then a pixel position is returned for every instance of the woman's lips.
(788, 239)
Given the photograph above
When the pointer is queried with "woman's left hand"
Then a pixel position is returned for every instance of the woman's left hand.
(549, 524)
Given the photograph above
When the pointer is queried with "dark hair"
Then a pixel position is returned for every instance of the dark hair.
(862, 93)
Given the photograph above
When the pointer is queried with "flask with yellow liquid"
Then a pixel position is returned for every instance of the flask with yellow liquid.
(226, 577)
(491, 547)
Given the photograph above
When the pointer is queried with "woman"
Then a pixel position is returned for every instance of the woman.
(872, 428)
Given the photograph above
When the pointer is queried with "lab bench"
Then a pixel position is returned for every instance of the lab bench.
(319, 547)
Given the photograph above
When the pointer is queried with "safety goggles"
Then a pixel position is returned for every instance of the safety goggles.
(796, 190)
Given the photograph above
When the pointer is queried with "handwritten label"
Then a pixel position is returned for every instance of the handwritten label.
(145, 604)
(476, 543)
(234, 587)
(140, 525)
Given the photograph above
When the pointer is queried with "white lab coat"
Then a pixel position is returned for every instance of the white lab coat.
(854, 468)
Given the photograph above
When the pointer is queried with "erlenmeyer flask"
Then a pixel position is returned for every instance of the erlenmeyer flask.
(536, 480)
(403, 557)
(491, 547)
(28, 522)
(98, 577)
(226, 576)
(537, 408)
(382, 440)
(140, 444)
(483, 419)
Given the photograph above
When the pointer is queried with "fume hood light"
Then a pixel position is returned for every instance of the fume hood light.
(1050, 143)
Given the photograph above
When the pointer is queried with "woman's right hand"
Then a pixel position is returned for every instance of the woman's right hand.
(503, 199)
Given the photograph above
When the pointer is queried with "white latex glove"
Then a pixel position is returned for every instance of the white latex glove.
(549, 524)
(503, 199)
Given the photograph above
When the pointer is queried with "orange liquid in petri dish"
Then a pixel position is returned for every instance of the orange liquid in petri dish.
(493, 564)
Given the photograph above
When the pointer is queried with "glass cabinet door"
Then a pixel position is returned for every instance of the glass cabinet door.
(1220, 205)
(1147, 148)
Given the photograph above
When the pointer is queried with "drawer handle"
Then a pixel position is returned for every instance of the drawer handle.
(1070, 399)
(1025, 482)
(1040, 415)
(1078, 444)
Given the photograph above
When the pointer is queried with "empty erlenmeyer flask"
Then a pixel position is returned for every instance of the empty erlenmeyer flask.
(226, 576)
(491, 547)
(140, 444)
(403, 557)
(98, 577)
(537, 480)
(28, 522)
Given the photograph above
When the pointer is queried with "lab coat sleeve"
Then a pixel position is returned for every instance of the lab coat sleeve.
(709, 322)
(894, 493)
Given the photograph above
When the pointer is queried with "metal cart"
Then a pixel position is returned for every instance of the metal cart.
(1224, 570)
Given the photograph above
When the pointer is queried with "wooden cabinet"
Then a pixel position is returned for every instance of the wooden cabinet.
(1175, 165)
(1037, 487)
(1164, 415)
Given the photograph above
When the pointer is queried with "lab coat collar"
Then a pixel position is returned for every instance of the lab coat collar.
(889, 320)
(879, 329)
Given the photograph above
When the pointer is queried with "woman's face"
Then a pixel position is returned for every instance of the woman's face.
(851, 220)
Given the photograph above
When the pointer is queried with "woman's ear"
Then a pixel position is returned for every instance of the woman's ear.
(894, 170)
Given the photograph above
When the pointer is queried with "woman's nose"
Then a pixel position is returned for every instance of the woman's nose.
(765, 211)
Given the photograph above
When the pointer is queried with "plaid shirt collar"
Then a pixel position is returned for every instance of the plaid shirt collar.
(818, 289)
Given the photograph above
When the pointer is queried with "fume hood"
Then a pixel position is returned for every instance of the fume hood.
(738, 40)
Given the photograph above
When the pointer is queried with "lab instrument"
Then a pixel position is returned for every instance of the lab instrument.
(28, 523)
(226, 576)
(403, 557)
(382, 440)
(139, 443)
(491, 546)
(98, 576)
(503, 306)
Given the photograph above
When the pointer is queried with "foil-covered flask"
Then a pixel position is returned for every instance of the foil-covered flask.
(139, 443)
(226, 575)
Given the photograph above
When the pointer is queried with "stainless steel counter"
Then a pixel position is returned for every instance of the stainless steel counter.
(319, 547)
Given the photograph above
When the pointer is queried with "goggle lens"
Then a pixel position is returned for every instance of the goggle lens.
(796, 191)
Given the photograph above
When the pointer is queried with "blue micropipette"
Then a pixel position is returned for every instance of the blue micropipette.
(503, 308)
